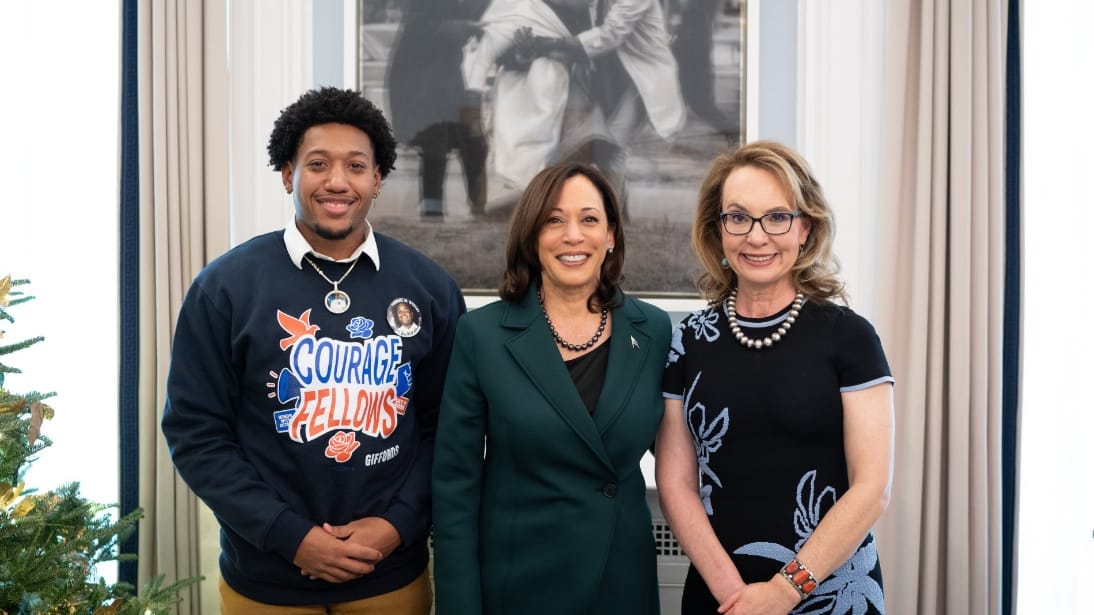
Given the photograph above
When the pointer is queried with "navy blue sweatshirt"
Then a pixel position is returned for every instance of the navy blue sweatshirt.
(282, 415)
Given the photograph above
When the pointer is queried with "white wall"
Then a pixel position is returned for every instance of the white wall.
(773, 28)
(840, 52)
(270, 58)
(58, 227)
(1055, 547)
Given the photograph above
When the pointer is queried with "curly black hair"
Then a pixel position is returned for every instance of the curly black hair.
(331, 105)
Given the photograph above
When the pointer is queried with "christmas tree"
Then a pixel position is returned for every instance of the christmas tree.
(52, 542)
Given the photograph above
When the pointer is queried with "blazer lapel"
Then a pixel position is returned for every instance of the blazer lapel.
(534, 351)
(630, 346)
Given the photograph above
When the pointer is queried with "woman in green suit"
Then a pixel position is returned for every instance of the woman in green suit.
(552, 397)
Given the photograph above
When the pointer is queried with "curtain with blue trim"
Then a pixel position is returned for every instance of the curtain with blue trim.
(174, 219)
(1012, 301)
(941, 291)
(128, 285)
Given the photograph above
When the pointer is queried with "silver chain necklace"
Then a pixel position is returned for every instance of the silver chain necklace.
(769, 341)
(564, 343)
(337, 301)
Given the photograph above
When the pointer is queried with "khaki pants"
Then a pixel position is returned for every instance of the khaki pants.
(416, 598)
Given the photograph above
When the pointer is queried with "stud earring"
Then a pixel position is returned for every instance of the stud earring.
(725, 263)
(611, 250)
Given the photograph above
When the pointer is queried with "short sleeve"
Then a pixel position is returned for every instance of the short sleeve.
(672, 385)
(860, 359)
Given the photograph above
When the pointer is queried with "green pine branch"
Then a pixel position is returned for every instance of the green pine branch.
(16, 347)
(52, 542)
(9, 297)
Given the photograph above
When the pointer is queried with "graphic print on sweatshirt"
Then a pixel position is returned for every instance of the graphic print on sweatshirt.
(341, 389)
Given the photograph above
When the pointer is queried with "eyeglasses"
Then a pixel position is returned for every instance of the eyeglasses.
(775, 223)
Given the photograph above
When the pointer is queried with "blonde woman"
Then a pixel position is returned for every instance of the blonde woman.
(775, 454)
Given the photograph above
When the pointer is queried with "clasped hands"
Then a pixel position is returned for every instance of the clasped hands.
(340, 553)
(772, 597)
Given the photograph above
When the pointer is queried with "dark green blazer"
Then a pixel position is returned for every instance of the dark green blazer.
(538, 506)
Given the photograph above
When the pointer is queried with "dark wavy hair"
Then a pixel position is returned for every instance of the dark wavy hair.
(330, 105)
(815, 271)
(522, 265)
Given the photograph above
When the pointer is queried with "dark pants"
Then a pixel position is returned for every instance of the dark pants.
(692, 47)
(434, 143)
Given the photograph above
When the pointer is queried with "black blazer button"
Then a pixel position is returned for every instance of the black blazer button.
(610, 490)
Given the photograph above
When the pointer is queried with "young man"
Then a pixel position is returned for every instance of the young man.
(294, 410)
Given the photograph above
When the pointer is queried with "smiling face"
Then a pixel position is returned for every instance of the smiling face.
(575, 239)
(334, 178)
(761, 261)
(404, 315)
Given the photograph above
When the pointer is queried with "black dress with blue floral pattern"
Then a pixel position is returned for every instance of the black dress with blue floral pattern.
(768, 431)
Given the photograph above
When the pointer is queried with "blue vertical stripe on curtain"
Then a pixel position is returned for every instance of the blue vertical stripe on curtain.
(129, 284)
(1011, 296)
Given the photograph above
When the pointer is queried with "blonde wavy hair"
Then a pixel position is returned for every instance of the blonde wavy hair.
(814, 272)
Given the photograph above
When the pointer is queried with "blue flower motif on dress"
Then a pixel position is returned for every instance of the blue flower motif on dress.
(807, 515)
(849, 589)
(707, 437)
(705, 322)
(360, 328)
(676, 346)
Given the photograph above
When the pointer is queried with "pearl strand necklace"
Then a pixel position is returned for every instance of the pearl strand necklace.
(564, 343)
(769, 341)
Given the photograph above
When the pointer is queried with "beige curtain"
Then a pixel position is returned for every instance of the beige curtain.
(940, 302)
(184, 224)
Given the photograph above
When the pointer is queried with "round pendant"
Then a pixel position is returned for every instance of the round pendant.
(337, 301)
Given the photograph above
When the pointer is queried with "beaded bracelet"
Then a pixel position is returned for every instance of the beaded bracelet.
(800, 577)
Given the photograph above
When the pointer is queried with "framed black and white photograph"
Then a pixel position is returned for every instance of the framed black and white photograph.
(482, 94)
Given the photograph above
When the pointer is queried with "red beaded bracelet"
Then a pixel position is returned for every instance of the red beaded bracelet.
(799, 576)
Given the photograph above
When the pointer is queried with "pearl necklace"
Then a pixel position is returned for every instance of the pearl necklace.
(337, 301)
(564, 343)
(769, 341)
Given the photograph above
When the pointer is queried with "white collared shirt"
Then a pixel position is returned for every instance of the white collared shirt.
(299, 247)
